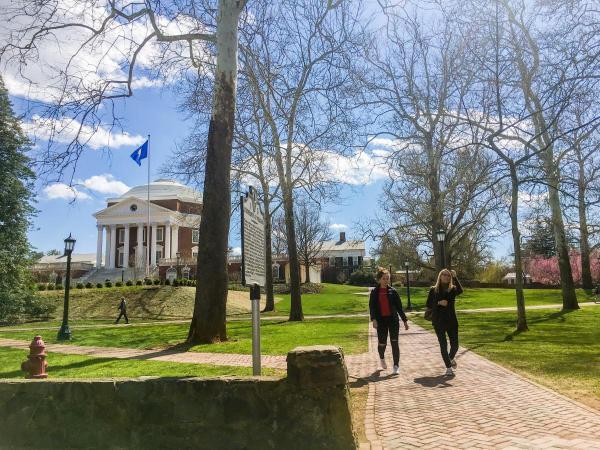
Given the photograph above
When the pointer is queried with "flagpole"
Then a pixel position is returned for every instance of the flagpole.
(148, 245)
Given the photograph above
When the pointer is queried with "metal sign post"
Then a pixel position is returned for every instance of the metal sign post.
(253, 264)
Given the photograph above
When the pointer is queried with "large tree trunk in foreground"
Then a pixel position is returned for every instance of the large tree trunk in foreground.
(208, 322)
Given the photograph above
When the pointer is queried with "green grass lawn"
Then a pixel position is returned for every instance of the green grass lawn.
(493, 297)
(333, 299)
(560, 350)
(344, 299)
(76, 366)
(277, 337)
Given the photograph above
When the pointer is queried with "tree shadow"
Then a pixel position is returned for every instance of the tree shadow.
(441, 381)
(557, 315)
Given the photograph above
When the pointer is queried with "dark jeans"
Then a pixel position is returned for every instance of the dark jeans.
(387, 325)
(122, 314)
(453, 336)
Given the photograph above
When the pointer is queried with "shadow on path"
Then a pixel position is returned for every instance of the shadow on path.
(432, 382)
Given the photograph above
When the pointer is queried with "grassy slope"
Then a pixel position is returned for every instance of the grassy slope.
(560, 350)
(143, 302)
(76, 366)
(277, 337)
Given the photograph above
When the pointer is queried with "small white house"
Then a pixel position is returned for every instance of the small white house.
(511, 277)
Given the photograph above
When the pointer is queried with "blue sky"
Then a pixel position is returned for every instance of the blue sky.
(102, 174)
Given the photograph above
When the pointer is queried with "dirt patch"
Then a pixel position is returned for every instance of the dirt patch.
(358, 405)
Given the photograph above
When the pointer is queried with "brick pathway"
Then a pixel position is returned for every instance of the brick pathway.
(483, 406)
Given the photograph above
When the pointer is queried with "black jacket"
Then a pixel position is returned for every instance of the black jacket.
(444, 316)
(395, 304)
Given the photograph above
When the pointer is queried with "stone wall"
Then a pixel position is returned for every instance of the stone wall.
(307, 410)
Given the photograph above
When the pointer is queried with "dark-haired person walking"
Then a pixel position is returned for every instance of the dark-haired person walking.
(441, 299)
(122, 310)
(385, 307)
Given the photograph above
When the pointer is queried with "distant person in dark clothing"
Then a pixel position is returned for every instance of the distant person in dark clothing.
(441, 300)
(597, 294)
(385, 307)
(122, 310)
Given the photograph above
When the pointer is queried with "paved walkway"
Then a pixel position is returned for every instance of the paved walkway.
(483, 406)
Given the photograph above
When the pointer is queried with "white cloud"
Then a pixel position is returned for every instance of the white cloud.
(105, 184)
(338, 226)
(64, 191)
(66, 130)
(236, 251)
(359, 169)
(107, 57)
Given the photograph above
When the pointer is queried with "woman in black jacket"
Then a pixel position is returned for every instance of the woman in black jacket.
(385, 307)
(441, 301)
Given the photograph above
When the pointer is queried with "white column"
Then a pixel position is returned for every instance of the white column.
(167, 240)
(107, 249)
(139, 255)
(126, 247)
(99, 247)
(153, 246)
(113, 246)
(175, 240)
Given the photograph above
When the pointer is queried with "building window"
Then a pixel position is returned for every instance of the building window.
(195, 236)
(276, 271)
(194, 252)
(338, 261)
(159, 254)
(359, 258)
(144, 234)
(120, 235)
(160, 234)
(345, 262)
(332, 261)
(121, 258)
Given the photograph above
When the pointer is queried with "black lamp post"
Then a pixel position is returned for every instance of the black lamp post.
(441, 237)
(391, 281)
(408, 305)
(178, 255)
(64, 334)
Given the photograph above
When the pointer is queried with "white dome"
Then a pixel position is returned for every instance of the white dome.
(164, 189)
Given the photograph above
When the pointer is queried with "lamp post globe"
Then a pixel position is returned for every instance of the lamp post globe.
(441, 237)
(64, 334)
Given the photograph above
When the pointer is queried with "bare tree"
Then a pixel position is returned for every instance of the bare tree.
(311, 234)
(297, 65)
(131, 28)
(439, 177)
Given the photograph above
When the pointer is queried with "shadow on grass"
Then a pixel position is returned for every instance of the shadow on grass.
(560, 315)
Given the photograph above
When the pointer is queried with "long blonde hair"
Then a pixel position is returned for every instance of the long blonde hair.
(438, 283)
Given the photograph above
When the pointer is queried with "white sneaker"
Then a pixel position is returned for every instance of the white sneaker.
(382, 364)
(449, 372)
(396, 370)
(453, 364)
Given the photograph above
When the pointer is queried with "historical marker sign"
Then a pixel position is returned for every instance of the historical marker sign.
(253, 241)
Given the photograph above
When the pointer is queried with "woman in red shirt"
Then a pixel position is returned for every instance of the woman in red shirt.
(385, 307)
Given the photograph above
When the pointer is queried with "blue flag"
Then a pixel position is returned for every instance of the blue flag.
(140, 153)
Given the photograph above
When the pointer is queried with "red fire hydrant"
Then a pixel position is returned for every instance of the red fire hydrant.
(36, 360)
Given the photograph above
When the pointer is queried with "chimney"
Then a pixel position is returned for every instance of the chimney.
(342, 236)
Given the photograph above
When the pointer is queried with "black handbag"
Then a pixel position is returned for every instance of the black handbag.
(428, 315)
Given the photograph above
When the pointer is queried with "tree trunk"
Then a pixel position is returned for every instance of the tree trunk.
(307, 271)
(296, 298)
(584, 243)
(562, 249)
(208, 322)
(514, 219)
(270, 299)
